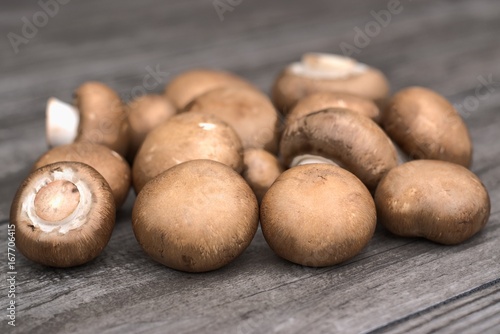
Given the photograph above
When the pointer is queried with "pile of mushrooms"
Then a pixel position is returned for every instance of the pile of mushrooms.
(319, 164)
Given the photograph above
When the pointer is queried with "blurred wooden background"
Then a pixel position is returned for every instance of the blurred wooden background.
(395, 285)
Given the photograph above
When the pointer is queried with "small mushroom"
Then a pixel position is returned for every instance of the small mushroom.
(144, 114)
(324, 100)
(318, 72)
(437, 200)
(426, 126)
(341, 137)
(190, 84)
(107, 162)
(184, 137)
(98, 117)
(212, 216)
(261, 169)
(317, 215)
(64, 214)
(249, 112)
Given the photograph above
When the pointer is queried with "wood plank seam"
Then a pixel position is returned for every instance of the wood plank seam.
(434, 307)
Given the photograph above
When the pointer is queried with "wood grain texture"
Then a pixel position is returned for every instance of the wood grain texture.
(395, 285)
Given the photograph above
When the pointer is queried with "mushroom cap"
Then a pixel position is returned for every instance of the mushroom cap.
(103, 119)
(188, 136)
(250, 113)
(426, 126)
(64, 214)
(327, 73)
(351, 140)
(437, 200)
(188, 85)
(261, 169)
(317, 215)
(212, 216)
(324, 100)
(107, 162)
(144, 114)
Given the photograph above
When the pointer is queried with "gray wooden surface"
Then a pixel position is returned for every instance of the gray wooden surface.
(395, 285)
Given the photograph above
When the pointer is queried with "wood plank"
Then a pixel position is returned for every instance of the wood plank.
(475, 310)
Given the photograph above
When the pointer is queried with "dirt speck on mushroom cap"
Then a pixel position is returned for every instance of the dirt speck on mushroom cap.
(196, 216)
(437, 200)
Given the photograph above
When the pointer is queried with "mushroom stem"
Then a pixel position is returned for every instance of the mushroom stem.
(327, 66)
(312, 159)
(62, 121)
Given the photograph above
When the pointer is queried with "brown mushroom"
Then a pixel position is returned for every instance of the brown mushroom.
(144, 114)
(184, 137)
(341, 137)
(63, 214)
(324, 100)
(317, 215)
(107, 162)
(437, 200)
(190, 84)
(212, 216)
(426, 126)
(249, 112)
(318, 72)
(261, 169)
(98, 117)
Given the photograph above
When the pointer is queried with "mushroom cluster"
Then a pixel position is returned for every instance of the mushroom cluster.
(318, 163)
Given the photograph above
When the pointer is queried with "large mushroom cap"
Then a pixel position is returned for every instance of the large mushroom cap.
(327, 73)
(107, 162)
(437, 200)
(188, 85)
(324, 100)
(103, 119)
(144, 114)
(184, 137)
(350, 140)
(197, 216)
(260, 171)
(426, 126)
(64, 214)
(317, 215)
(249, 112)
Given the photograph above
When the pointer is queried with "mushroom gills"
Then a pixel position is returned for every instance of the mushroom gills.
(306, 159)
(75, 217)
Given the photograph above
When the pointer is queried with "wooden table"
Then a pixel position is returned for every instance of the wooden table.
(395, 285)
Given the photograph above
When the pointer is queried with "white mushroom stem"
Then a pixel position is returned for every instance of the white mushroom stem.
(62, 121)
(312, 159)
(327, 66)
